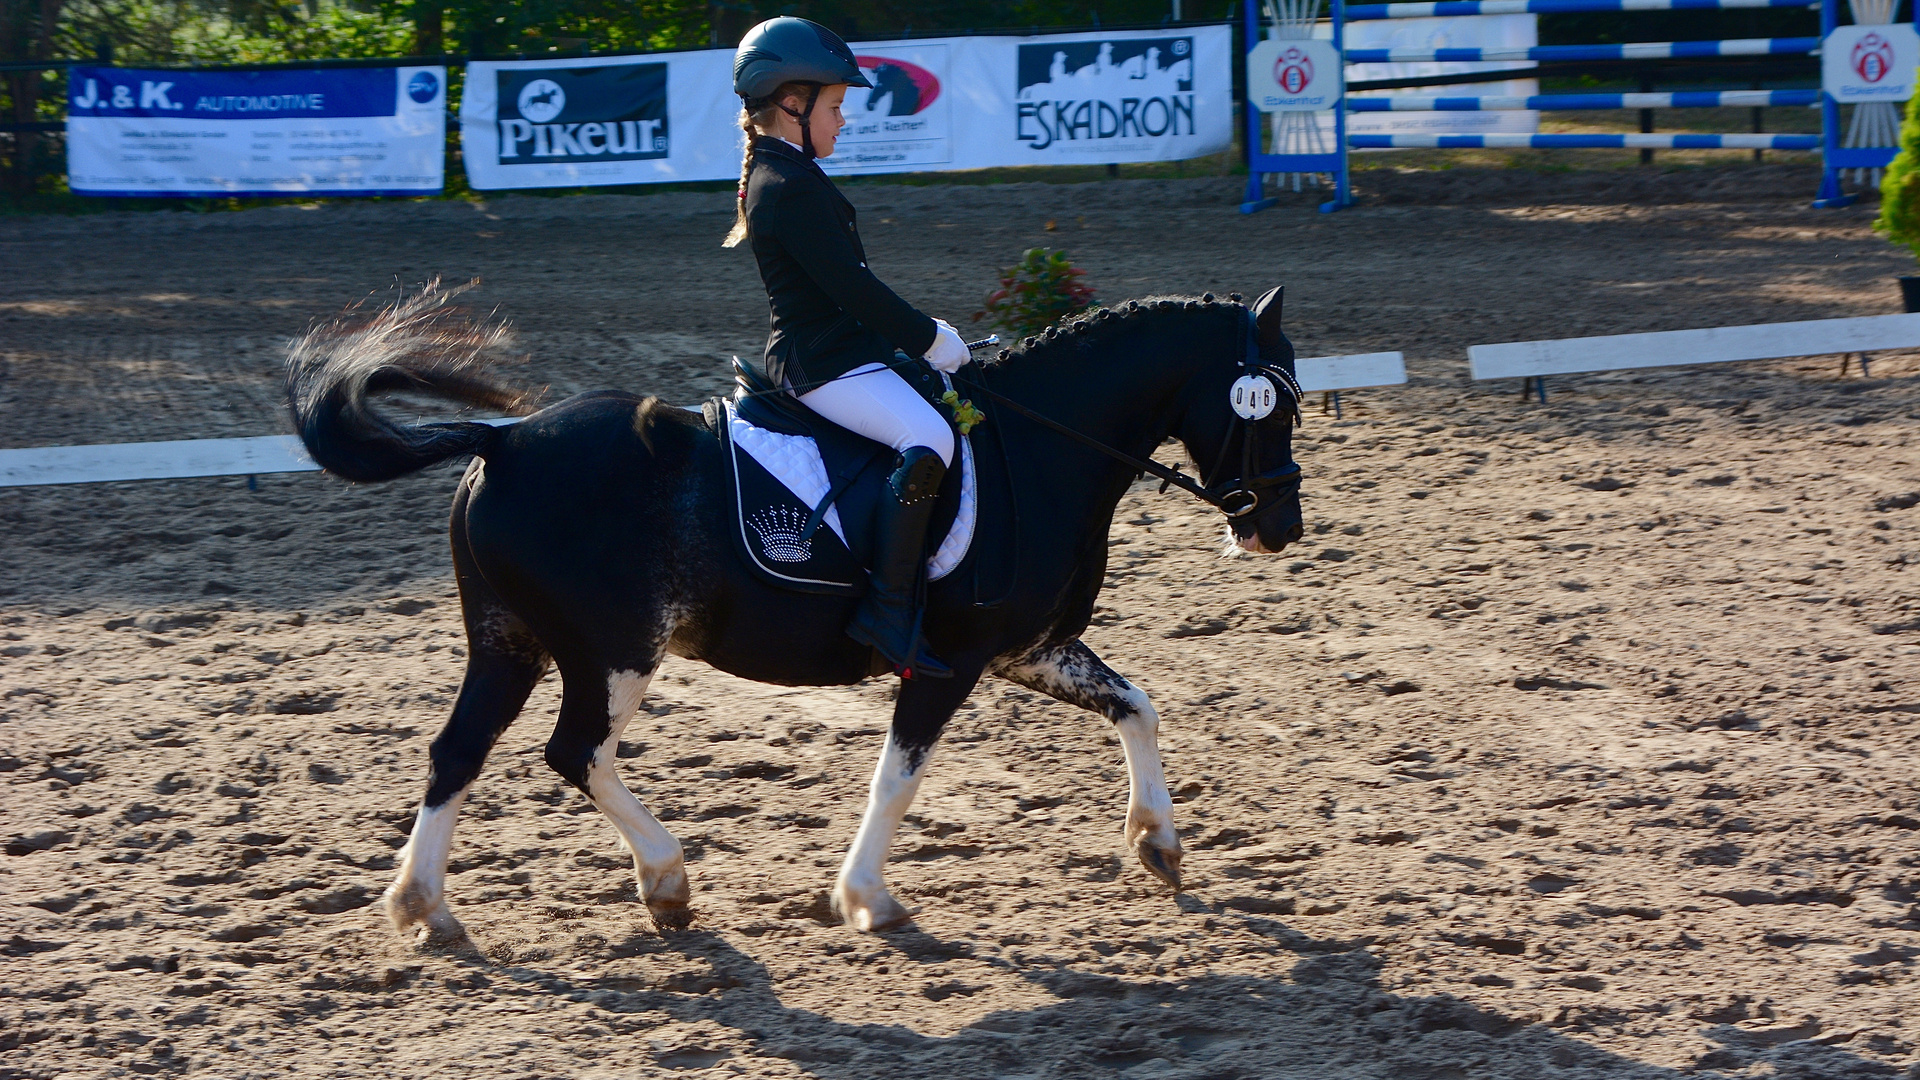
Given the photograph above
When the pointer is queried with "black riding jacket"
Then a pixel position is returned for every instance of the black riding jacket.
(830, 314)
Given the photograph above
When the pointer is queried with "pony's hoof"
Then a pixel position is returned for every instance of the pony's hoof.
(443, 929)
(670, 915)
(871, 914)
(409, 906)
(669, 897)
(1161, 862)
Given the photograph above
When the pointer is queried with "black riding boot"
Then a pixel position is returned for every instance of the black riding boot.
(889, 617)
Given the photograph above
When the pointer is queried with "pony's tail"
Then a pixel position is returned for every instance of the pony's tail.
(417, 344)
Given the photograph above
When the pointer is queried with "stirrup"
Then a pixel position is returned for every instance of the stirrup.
(923, 665)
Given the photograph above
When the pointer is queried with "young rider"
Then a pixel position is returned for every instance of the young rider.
(835, 325)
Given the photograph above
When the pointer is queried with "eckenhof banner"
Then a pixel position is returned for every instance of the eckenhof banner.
(334, 131)
(937, 103)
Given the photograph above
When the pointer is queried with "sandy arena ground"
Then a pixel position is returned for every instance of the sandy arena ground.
(1575, 741)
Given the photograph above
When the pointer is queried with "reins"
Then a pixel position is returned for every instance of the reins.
(1167, 475)
(1241, 499)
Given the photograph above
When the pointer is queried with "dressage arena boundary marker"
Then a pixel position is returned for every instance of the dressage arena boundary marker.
(260, 455)
(1299, 148)
(1533, 361)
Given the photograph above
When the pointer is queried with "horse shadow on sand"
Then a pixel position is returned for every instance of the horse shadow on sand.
(1325, 1017)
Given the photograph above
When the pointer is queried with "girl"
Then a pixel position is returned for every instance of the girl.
(835, 325)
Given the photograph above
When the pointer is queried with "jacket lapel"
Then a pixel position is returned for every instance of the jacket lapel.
(767, 144)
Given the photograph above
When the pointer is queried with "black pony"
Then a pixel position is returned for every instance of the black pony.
(595, 535)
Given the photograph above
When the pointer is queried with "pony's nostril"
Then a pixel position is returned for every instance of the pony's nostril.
(1296, 533)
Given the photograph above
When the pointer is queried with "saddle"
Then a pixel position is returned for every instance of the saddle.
(805, 490)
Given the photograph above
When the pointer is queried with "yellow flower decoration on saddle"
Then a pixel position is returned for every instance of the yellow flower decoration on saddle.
(965, 416)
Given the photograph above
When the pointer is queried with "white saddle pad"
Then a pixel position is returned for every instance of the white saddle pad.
(795, 461)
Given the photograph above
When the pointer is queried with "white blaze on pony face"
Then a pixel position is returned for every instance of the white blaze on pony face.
(659, 863)
(418, 893)
(860, 894)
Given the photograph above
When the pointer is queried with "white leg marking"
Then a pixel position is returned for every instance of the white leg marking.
(860, 895)
(659, 864)
(1075, 675)
(1149, 809)
(418, 893)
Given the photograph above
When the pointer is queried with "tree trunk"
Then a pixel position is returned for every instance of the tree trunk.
(429, 27)
(26, 33)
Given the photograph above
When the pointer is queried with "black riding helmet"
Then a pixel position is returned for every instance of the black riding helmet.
(789, 49)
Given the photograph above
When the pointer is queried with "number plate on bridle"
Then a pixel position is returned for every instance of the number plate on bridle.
(1254, 397)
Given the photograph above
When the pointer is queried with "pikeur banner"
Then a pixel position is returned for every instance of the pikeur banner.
(936, 103)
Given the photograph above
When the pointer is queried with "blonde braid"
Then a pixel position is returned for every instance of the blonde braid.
(739, 230)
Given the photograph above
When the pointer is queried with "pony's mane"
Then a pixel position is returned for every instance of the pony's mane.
(1093, 326)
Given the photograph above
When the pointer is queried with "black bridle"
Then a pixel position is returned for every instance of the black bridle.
(1235, 497)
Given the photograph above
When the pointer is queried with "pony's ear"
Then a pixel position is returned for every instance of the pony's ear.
(1266, 318)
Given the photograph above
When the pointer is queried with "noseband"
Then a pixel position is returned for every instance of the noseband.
(1256, 391)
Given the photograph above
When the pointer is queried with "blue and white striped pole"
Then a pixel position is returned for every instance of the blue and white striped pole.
(1584, 142)
(1705, 99)
(1359, 12)
(1641, 50)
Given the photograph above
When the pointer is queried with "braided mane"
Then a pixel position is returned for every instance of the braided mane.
(1096, 325)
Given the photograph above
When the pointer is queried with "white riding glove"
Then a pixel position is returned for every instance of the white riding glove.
(948, 352)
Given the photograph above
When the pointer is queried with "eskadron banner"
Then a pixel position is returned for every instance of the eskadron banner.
(334, 131)
(936, 104)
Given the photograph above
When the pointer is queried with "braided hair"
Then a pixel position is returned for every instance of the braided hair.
(755, 116)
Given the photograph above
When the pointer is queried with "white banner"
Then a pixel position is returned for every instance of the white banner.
(610, 120)
(905, 123)
(937, 104)
(336, 131)
(1869, 63)
(1294, 75)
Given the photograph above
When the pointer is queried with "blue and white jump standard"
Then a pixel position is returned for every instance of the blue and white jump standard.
(1259, 162)
(1836, 157)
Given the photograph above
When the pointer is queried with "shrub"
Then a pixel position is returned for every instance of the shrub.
(1900, 193)
(1040, 290)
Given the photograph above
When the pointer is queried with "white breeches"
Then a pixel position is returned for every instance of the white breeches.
(874, 401)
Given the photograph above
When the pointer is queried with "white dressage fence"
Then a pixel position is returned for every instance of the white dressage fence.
(1331, 374)
(1532, 361)
(1714, 345)
(153, 460)
(264, 454)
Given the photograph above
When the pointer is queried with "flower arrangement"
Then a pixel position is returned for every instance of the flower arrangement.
(1038, 291)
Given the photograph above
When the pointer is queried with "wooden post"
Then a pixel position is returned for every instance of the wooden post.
(429, 28)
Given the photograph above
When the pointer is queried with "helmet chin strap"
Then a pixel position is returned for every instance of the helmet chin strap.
(806, 120)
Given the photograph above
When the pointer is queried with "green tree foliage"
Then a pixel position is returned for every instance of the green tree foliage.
(1900, 192)
(278, 31)
(29, 31)
(1038, 291)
